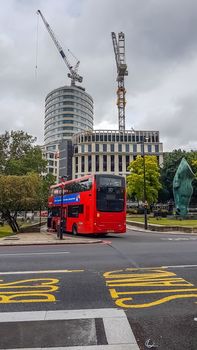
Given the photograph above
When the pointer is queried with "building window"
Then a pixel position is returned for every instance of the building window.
(149, 148)
(134, 148)
(127, 162)
(82, 164)
(97, 147)
(97, 162)
(104, 163)
(127, 147)
(119, 147)
(129, 138)
(104, 147)
(101, 137)
(157, 148)
(76, 165)
(120, 163)
(89, 148)
(112, 163)
(82, 148)
(109, 138)
(112, 147)
(89, 163)
(105, 137)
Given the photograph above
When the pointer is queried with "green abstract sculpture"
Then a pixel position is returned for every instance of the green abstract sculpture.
(182, 187)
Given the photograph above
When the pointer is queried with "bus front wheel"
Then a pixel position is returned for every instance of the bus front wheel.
(74, 230)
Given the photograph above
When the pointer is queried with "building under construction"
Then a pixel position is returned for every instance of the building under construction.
(71, 146)
(68, 110)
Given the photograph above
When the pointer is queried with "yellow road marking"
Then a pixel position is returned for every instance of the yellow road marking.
(115, 294)
(32, 290)
(121, 302)
(29, 291)
(126, 284)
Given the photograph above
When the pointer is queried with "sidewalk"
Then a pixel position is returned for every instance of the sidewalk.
(153, 228)
(44, 237)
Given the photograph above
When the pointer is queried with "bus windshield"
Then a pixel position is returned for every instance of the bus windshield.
(110, 193)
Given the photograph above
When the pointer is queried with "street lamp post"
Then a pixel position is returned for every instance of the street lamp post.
(145, 197)
(61, 214)
(144, 175)
(60, 233)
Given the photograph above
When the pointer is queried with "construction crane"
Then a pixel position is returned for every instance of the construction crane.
(73, 75)
(119, 50)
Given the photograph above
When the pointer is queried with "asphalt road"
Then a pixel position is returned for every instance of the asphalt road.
(152, 277)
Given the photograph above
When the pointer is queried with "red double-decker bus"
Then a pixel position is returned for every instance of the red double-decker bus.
(92, 204)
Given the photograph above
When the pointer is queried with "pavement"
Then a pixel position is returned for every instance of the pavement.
(46, 238)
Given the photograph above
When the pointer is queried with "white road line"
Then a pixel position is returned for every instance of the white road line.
(37, 272)
(177, 266)
(89, 347)
(180, 239)
(117, 328)
(24, 254)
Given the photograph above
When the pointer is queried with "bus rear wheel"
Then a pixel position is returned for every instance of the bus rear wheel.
(74, 230)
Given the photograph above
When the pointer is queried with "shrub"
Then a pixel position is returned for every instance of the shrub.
(131, 211)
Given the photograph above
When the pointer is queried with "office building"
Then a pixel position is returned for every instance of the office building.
(109, 151)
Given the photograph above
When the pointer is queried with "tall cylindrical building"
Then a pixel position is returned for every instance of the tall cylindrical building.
(68, 111)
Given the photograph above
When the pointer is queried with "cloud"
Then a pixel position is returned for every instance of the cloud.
(161, 54)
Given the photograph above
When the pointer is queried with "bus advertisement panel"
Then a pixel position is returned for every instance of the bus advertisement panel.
(93, 204)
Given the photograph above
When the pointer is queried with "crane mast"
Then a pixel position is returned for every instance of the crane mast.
(119, 51)
(73, 75)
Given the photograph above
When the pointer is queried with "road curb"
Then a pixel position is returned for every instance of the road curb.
(47, 243)
(174, 232)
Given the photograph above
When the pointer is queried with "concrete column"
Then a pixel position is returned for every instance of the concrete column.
(116, 168)
(108, 163)
(93, 163)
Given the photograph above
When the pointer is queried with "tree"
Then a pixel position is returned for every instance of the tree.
(46, 182)
(18, 155)
(22, 185)
(135, 181)
(18, 193)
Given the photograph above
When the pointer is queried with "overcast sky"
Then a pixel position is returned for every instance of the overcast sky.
(161, 55)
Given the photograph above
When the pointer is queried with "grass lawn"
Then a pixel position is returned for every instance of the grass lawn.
(165, 221)
(5, 231)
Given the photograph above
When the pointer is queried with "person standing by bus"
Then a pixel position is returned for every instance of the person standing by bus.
(49, 219)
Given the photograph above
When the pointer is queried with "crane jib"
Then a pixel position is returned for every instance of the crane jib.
(62, 53)
(73, 72)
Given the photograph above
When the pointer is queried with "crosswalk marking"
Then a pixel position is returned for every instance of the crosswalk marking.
(117, 328)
